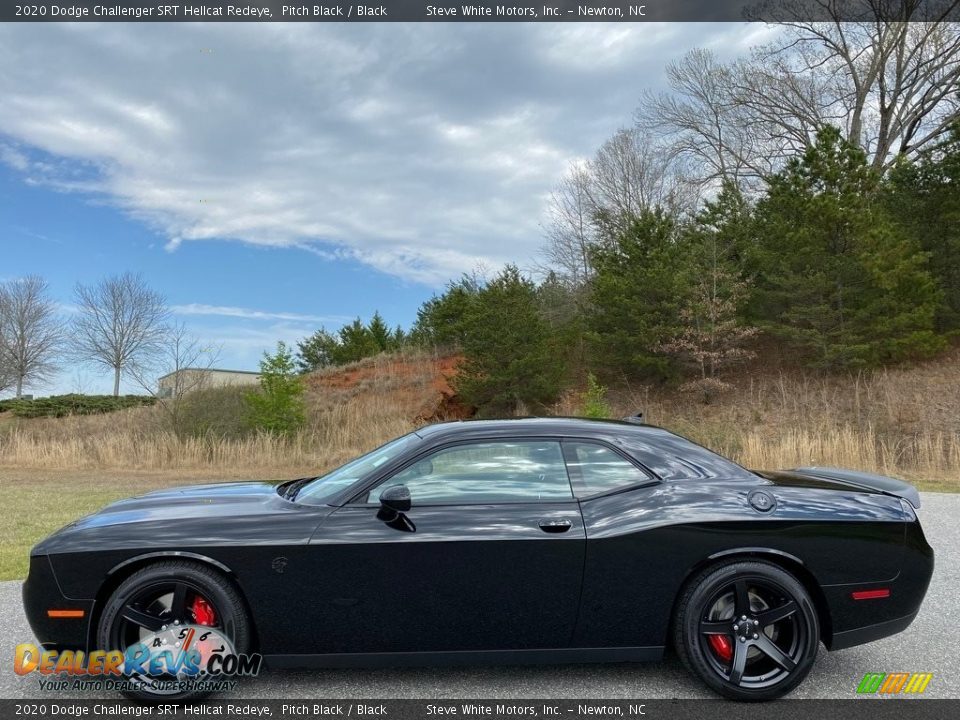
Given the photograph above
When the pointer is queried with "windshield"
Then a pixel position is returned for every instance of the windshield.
(327, 486)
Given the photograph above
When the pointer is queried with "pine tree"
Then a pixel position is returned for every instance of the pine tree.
(834, 277)
(278, 407)
(317, 351)
(380, 334)
(441, 320)
(923, 198)
(510, 363)
(641, 283)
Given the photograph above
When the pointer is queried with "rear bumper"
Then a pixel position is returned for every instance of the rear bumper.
(854, 622)
(859, 636)
(41, 593)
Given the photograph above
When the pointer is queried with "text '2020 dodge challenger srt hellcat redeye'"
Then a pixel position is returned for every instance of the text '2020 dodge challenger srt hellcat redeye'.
(511, 541)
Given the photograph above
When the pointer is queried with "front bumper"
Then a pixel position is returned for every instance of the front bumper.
(41, 594)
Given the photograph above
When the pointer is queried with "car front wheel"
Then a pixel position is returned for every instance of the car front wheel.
(748, 629)
(158, 601)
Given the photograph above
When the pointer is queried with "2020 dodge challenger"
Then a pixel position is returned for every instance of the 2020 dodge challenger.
(533, 540)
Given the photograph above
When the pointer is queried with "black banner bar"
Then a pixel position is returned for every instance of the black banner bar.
(504, 11)
(860, 709)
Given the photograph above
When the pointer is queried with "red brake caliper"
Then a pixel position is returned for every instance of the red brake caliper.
(203, 613)
(722, 646)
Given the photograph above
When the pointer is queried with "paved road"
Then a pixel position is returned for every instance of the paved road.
(931, 644)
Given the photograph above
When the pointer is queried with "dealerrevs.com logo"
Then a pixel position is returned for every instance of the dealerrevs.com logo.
(902, 683)
(176, 659)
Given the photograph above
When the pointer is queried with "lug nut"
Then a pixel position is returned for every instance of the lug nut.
(755, 636)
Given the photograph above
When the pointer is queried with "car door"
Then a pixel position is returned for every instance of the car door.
(489, 556)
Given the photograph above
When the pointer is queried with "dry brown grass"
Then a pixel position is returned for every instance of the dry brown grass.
(382, 400)
(902, 421)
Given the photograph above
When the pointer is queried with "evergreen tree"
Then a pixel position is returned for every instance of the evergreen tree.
(923, 198)
(317, 351)
(380, 334)
(441, 320)
(510, 363)
(278, 407)
(642, 281)
(834, 277)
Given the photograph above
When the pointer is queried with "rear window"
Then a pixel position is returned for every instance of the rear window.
(675, 458)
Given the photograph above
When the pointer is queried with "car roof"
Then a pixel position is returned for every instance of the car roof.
(561, 426)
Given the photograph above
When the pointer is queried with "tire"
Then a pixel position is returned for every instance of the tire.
(222, 599)
(769, 653)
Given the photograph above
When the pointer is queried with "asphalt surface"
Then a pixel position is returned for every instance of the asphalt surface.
(930, 644)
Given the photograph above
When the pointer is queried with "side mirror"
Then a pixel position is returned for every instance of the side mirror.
(395, 498)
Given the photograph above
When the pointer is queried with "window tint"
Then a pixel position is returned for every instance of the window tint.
(501, 472)
(597, 469)
(673, 457)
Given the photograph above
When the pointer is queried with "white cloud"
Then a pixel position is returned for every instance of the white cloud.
(14, 157)
(248, 314)
(421, 150)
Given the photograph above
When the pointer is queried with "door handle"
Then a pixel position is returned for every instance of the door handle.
(555, 526)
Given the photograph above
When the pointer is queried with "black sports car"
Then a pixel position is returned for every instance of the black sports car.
(535, 540)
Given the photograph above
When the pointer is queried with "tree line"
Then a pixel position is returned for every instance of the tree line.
(806, 194)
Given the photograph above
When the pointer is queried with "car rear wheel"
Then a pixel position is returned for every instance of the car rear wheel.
(747, 629)
(164, 596)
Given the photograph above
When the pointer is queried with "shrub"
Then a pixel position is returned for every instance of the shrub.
(73, 404)
(278, 407)
(595, 400)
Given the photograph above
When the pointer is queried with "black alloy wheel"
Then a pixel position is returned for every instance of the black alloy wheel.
(749, 630)
(166, 595)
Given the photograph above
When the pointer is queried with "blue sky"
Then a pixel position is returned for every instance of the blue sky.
(270, 179)
(239, 297)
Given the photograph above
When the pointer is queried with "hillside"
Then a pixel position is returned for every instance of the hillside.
(900, 421)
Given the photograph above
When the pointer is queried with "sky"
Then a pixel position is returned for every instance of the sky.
(272, 179)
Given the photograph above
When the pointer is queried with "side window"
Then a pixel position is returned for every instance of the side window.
(478, 473)
(597, 469)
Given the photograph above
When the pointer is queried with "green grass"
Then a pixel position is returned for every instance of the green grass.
(34, 512)
(37, 502)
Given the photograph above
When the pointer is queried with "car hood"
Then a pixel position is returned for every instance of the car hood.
(214, 500)
(839, 479)
(231, 513)
(187, 501)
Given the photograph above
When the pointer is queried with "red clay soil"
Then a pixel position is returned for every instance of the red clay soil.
(430, 377)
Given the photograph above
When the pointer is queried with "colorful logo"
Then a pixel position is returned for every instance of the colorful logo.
(894, 683)
(176, 659)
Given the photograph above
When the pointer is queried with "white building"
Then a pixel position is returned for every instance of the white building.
(187, 379)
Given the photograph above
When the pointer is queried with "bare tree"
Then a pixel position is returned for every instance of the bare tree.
(629, 174)
(890, 81)
(185, 363)
(570, 227)
(120, 324)
(701, 120)
(6, 374)
(6, 377)
(31, 332)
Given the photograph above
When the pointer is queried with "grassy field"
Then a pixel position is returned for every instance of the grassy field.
(37, 502)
